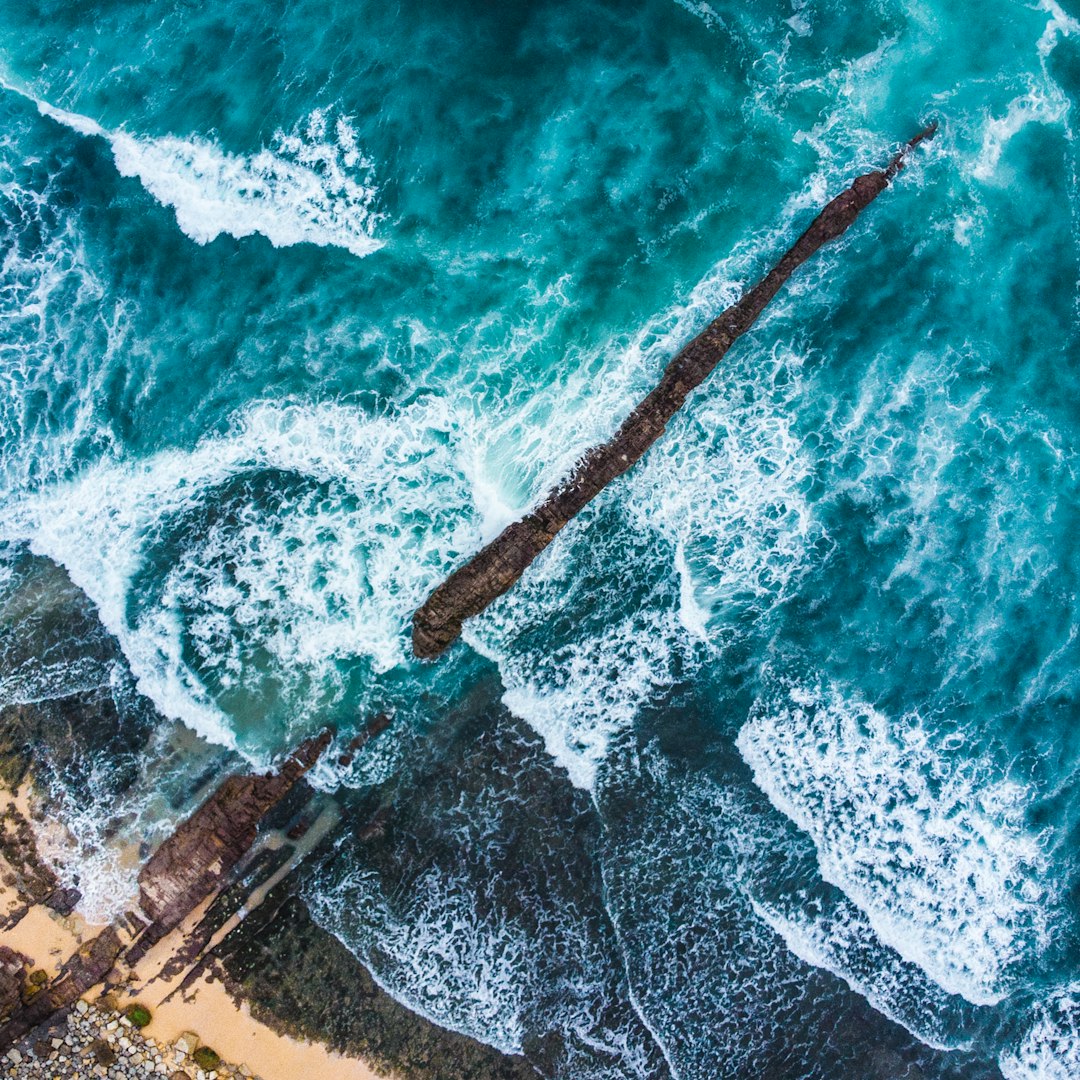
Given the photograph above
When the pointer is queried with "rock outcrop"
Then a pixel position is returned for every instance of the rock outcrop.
(191, 867)
(83, 971)
(12, 980)
(34, 879)
(196, 860)
(496, 568)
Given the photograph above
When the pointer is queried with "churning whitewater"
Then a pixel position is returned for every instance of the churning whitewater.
(768, 764)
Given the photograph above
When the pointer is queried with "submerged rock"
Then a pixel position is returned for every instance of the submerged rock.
(206, 1058)
(301, 980)
(139, 1015)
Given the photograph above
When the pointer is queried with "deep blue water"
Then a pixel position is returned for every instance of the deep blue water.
(302, 301)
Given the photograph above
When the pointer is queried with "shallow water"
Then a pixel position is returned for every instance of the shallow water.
(302, 302)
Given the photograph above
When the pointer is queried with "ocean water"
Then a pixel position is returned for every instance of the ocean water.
(769, 765)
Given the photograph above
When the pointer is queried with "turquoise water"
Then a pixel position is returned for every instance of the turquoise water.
(768, 766)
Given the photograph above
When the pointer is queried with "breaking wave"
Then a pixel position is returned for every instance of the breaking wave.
(311, 185)
(934, 847)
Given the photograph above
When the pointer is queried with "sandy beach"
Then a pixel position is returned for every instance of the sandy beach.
(205, 1009)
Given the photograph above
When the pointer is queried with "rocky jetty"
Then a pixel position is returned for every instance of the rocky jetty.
(496, 568)
(196, 860)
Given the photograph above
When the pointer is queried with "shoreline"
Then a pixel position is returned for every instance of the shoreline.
(247, 1046)
(274, 971)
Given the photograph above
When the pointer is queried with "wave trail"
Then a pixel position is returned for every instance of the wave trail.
(310, 185)
(934, 849)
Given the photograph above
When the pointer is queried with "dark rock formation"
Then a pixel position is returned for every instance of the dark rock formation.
(12, 979)
(375, 726)
(491, 572)
(196, 860)
(33, 879)
(85, 970)
(191, 866)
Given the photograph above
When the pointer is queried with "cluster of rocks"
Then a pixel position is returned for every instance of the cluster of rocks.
(192, 866)
(94, 1042)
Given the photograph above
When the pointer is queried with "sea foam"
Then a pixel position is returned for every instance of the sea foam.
(1043, 102)
(840, 940)
(933, 846)
(337, 525)
(1050, 1050)
(310, 185)
(62, 331)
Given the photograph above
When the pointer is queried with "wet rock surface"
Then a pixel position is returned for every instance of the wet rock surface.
(13, 983)
(498, 566)
(28, 873)
(198, 858)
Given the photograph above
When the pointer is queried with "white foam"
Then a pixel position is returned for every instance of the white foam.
(693, 615)
(581, 696)
(1042, 104)
(841, 941)
(443, 959)
(964, 226)
(75, 843)
(1050, 1050)
(49, 393)
(321, 576)
(705, 12)
(727, 486)
(932, 845)
(310, 185)
(89, 837)
(82, 124)
(1059, 25)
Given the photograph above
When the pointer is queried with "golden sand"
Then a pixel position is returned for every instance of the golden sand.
(206, 1008)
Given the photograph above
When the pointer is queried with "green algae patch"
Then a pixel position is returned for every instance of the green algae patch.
(139, 1015)
(206, 1058)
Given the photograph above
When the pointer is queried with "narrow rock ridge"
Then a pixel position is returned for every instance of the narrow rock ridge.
(497, 567)
(195, 861)
(191, 867)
